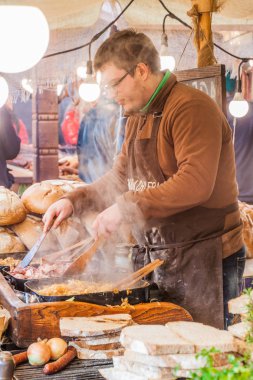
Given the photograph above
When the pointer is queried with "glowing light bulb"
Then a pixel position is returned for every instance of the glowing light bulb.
(167, 62)
(81, 72)
(26, 84)
(59, 89)
(4, 91)
(25, 37)
(238, 107)
(89, 91)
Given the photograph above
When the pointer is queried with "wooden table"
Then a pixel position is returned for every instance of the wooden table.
(78, 370)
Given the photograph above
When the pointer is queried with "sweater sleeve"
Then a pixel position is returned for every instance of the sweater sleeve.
(103, 192)
(196, 133)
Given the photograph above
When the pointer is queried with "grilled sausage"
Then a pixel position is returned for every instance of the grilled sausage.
(61, 363)
(20, 358)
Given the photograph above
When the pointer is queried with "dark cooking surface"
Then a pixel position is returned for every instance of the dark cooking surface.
(136, 295)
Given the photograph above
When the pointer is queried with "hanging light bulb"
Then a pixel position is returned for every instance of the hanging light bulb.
(26, 84)
(89, 90)
(4, 91)
(59, 89)
(167, 60)
(81, 72)
(25, 37)
(238, 107)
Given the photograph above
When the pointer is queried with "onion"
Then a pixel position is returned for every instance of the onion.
(58, 347)
(38, 353)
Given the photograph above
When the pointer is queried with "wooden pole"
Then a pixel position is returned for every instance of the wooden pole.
(201, 14)
(45, 135)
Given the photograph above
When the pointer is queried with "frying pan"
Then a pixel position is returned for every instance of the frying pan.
(138, 294)
(17, 283)
(16, 256)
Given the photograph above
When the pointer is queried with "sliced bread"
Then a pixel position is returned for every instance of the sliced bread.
(84, 353)
(154, 340)
(94, 326)
(203, 336)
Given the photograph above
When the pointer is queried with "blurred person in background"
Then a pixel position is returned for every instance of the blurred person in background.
(96, 146)
(9, 145)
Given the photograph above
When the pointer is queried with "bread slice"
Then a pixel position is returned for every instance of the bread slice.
(184, 361)
(203, 336)
(94, 326)
(239, 330)
(239, 305)
(98, 347)
(147, 370)
(116, 374)
(98, 340)
(83, 353)
(154, 340)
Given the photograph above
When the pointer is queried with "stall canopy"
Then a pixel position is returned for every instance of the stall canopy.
(73, 23)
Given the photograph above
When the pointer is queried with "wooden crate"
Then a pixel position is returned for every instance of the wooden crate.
(41, 320)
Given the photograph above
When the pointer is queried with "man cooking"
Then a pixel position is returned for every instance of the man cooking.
(174, 181)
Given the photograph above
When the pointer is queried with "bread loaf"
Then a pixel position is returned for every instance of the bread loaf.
(246, 213)
(38, 197)
(12, 209)
(9, 242)
(30, 230)
(86, 354)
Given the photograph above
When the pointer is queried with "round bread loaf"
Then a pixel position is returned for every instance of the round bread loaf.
(38, 197)
(12, 209)
(30, 230)
(9, 242)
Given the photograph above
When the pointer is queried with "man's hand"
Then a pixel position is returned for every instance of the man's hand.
(107, 221)
(59, 211)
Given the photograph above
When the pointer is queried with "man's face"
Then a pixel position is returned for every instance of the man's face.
(127, 89)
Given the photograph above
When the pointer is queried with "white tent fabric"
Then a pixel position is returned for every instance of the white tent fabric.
(73, 23)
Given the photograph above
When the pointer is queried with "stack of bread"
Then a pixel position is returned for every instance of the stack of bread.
(246, 212)
(167, 352)
(24, 229)
(12, 211)
(96, 337)
(240, 306)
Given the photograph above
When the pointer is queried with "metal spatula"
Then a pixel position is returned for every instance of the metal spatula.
(78, 266)
(30, 255)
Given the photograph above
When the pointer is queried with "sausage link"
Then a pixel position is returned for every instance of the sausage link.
(61, 363)
(20, 358)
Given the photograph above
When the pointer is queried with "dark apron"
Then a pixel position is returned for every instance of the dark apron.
(191, 275)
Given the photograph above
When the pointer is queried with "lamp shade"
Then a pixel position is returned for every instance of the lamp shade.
(4, 91)
(24, 38)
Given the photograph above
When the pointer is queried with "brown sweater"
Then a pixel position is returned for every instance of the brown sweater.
(196, 156)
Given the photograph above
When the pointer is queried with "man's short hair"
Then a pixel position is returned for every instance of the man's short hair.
(127, 48)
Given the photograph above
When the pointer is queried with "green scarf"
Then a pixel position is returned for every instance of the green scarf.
(158, 89)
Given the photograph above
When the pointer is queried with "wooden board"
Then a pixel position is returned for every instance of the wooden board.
(210, 79)
(41, 320)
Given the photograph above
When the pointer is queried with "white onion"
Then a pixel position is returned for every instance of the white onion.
(58, 347)
(38, 353)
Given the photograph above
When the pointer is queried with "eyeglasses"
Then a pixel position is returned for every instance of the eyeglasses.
(113, 86)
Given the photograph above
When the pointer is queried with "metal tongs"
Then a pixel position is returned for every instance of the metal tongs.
(30, 255)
